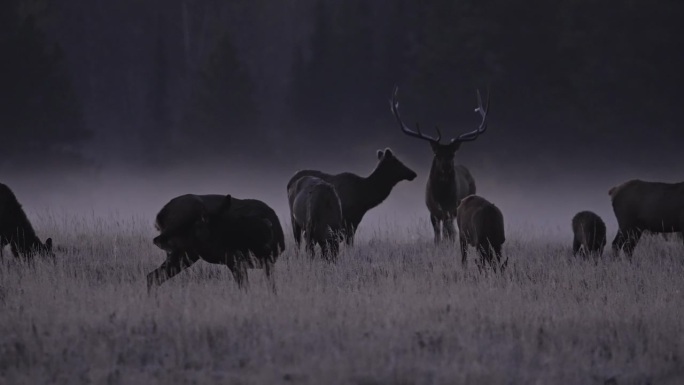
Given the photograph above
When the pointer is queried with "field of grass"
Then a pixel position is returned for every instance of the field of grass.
(395, 309)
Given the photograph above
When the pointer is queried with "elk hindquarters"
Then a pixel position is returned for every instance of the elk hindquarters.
(589, 232)
(481, 225)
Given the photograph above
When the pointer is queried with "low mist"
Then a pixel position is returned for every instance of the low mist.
(530, 201)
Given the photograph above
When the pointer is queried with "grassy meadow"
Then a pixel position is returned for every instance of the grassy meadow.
(395, 309)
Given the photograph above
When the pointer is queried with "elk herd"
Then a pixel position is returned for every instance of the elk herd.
(326, 210)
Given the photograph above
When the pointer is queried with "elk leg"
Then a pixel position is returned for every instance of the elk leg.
(487, 254)
(15, 251)
(334, 250)
(497, 252)
(448, 229)
(329, 250)
(311, 246)
(618, 243)
(436, 227)
(325, 252)
(175, 263)
(268, 269)
(576, 246)
(236, 266)
(633, 237)
(349, 230)
(297, 232)
(464, 251)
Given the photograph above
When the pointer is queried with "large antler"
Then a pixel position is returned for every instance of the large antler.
(394, 105)
(472, 135)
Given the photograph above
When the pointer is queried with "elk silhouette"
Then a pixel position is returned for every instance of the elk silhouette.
(316, 208)
(641, 206)
(359, 194)
(16, 229)
(448, 183)
(481, 225)
(589, 234)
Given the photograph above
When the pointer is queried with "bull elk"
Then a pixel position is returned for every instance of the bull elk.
(641, 206)
(448, 183)
(359, 194)
(16, 229)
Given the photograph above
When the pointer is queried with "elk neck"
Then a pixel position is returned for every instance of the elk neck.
(443, 179)
(26, 244)
(377, 187)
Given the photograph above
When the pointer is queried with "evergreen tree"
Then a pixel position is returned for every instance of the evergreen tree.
(222, 115)
(41, 116)
(156, 135)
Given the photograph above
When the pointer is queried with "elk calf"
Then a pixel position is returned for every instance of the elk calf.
(481, 225)
(16, 230)
(219, 229)
(646, 206)
(316, 208)
(589, 234)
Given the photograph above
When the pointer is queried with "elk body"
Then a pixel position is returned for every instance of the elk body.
(641, 206)
(218, 229)
(589, 234)
(359, 194)
(16, 229)
(315, 207)
(481, 225)
(447, 183)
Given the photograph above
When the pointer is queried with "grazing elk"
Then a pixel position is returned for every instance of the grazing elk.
(359, 194)
(641, 206)
(16, 230)
(219, 229)
(589, 234)
(447, 183)
(316, 208)
(481, 225)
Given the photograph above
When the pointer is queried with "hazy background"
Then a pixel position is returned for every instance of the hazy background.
(119, 106)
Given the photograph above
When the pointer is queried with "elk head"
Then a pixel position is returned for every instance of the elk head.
(393, 168)
(443, 162)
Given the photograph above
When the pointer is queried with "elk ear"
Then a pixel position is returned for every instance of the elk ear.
(380, 154)
(226, 204)
(388, 152)
(48, 244)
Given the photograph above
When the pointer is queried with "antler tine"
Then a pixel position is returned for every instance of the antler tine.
(394, 105)
(472, 135)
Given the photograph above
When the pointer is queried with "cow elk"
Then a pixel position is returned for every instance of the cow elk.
(219, 229)
(359, 194)
(16, 230)
(448, 183)
(641, 206)
(589, 234)
(481, 225)
(315, 207)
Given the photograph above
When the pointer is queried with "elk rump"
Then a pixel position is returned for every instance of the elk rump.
(316, 208)
(641, 206)
(481, 225)
(589, 234)
(218, 229)
(16, 230)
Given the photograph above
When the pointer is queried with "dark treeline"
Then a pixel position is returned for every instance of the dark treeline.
(175, 80)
